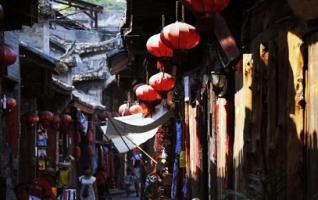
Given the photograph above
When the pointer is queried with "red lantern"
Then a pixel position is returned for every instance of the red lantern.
(77, 138)
(180, 36)
(136, 86)
(157, 48)
(66, 119)
(206, 7)
(46, 117)
(56, 120)
(33, 119)
(1, 13)
(9, 56)
(123, 110)
(90, 151)
(147, 93)
(139, 108)
(77, 152)
(162, 82)
(11, 103)
(90, 136)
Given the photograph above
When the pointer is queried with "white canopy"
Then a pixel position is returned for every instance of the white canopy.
(129, 131)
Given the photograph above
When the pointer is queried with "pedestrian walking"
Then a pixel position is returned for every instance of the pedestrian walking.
(102, 183)
(87, 186)
(128, 181)
(22, 192)
(137, 176)
(136, 163)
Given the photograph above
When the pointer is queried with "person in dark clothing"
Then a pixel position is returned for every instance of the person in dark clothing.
(128, 180)
(22, 192)
(102, 183)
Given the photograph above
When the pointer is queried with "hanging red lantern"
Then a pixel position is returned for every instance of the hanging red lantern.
(139, 108)
(66, 119)
(123, 110)
(180, 35)
(77, 152)
(46, 117)
(77, 138)
(206, 7)
(136, 86)
(157, 48)
(33, 119)
(147, 93)
(90, 136)
(11, 103)
(1, 13)
(90, 151)
(9, 56)
(162, 82)
(56, 120)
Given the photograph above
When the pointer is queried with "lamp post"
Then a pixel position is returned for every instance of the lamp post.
(219, 80)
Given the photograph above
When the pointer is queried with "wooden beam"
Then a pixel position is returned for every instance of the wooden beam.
(295, 128)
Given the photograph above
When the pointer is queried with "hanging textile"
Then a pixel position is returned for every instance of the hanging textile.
(185, 188)
(178, 138)
(136, 123)
(158, 143)
(128, 132)
(174, 184)
(83, 122)
(12, 130)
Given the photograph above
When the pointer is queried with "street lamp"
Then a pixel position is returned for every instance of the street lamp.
(219, 79)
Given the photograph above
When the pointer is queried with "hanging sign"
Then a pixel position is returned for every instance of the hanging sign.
(42, 137)
(182, 160)
(41, 153)
(41, 165)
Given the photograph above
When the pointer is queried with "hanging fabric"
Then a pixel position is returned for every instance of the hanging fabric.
(83, 122)
(178, 138)
(174, 184)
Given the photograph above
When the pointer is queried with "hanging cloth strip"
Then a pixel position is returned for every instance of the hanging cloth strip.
(178, 138)
(174, 184)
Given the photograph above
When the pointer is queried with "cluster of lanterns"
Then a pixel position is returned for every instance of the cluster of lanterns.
(46, 118)
(125, 109)
(175, 37)
(77, 149)
(178, 36)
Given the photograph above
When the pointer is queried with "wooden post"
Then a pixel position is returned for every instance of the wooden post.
(311, 118)
(295, 110)
(243, 99)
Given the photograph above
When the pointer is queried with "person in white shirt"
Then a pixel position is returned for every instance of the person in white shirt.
(88, 186)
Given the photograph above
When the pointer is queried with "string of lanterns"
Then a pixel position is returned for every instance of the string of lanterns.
(173, 38)
(46, 118)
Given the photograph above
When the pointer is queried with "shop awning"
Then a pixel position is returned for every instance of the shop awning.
(129, 131)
